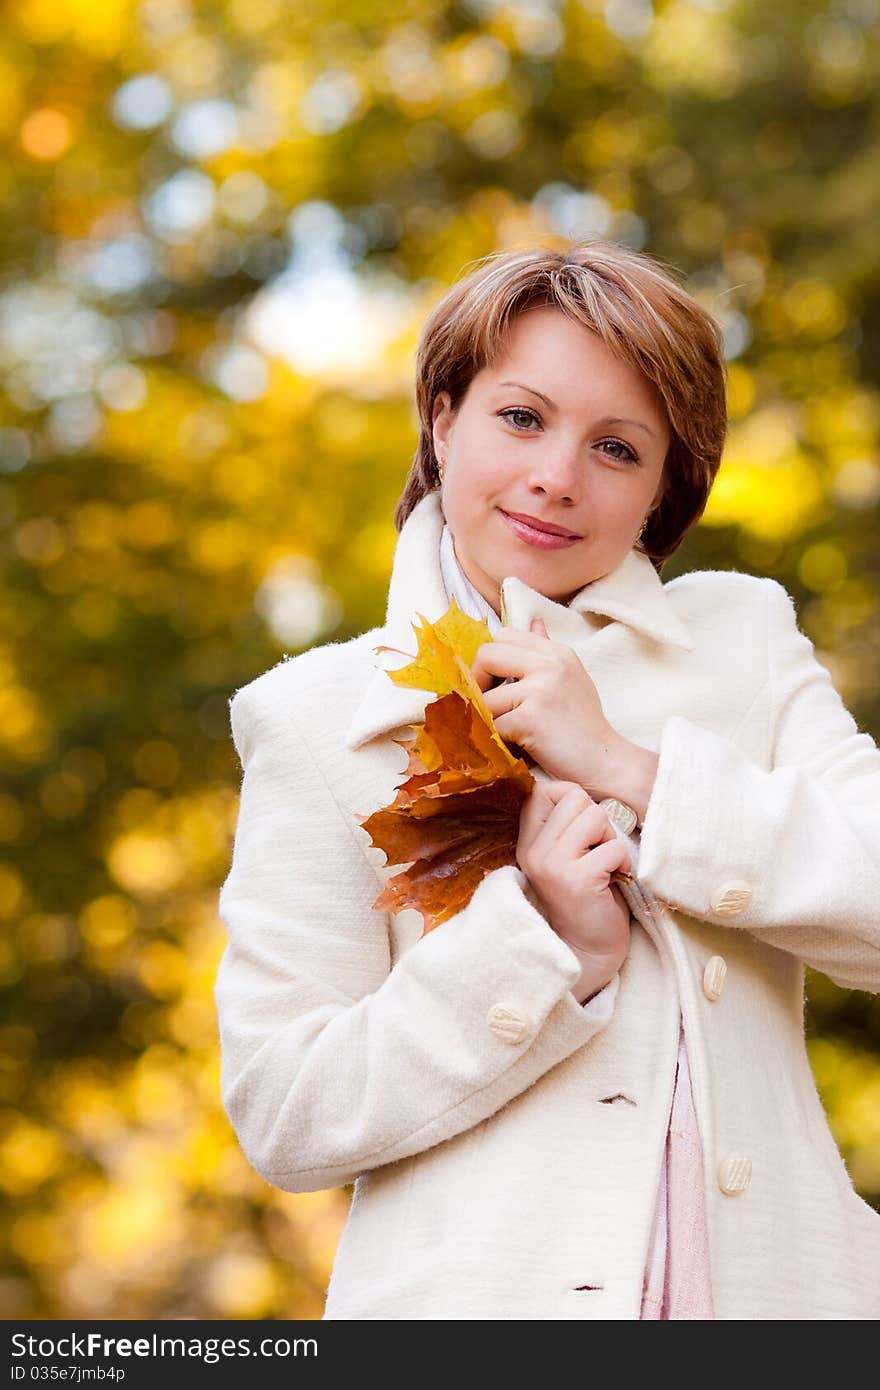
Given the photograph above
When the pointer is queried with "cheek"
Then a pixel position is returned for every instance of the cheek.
(482, 469)
(619, 503)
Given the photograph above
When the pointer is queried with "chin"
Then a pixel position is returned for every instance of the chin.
(541, 583)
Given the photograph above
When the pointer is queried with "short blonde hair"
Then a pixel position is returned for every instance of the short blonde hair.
(641, 312)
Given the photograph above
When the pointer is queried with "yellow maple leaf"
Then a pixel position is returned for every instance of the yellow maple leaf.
(455, 817)
(446, 651)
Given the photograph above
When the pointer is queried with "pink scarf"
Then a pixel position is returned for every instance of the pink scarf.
(678, 1283)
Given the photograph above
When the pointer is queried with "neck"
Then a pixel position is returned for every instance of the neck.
(458, 585)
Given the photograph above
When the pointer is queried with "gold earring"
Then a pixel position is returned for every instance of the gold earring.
(441, 463)
(642, 529)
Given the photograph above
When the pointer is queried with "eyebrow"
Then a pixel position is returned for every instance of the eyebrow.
(607, 420)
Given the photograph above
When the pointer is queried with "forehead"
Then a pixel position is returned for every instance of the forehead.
(567, 361)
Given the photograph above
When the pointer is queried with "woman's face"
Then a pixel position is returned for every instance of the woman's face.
(578, 441)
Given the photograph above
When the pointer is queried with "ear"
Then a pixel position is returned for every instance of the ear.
(442, 420)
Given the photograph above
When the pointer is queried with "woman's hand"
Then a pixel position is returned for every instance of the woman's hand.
(568, 850)
(551, 709)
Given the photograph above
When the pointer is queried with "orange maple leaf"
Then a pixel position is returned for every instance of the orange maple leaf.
(456, 815)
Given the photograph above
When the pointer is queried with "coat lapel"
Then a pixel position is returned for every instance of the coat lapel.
(633, 594)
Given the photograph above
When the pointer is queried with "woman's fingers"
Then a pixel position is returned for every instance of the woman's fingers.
(585, 830)
(537, 808)
(501, 658)
(543, 801)
(511, 655)
(610, 856)
(547, 813)
(574, 824)
(560, 820)
(502, 698)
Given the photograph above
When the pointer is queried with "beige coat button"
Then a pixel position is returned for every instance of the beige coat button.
(713, 977)
(621, 815)
(508, 1023)
(734, 1174)
(731, 897)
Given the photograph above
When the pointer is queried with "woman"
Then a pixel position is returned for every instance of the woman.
(575, 1098)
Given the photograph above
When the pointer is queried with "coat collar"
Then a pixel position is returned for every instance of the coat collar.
(633, 594)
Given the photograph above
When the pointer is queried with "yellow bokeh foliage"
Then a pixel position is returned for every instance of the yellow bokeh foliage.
(173, 528)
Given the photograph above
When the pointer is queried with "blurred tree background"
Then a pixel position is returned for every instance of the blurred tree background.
(224, 223)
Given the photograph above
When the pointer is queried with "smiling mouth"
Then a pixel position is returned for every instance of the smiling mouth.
(536, 536)
(548, 527)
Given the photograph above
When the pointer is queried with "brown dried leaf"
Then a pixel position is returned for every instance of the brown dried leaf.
(456, 815)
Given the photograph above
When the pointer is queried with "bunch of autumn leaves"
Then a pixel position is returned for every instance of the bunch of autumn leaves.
(456, 815)
(458, 812)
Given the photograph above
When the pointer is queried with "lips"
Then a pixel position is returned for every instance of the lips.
(546, 526)
(535, 534)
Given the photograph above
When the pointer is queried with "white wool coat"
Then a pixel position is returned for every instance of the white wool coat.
(504, 1141)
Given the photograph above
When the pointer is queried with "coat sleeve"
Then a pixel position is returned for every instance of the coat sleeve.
(333, 1061)
(792, 854)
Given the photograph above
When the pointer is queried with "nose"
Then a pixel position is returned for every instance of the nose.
(557, 471)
